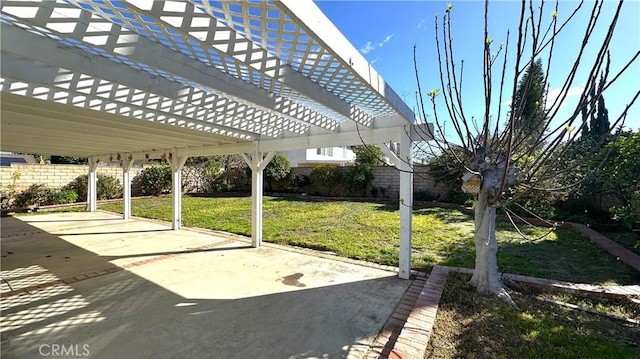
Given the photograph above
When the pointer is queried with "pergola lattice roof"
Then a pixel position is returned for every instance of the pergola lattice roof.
(94, 78)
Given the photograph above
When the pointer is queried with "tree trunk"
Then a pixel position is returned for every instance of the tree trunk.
(485, 275)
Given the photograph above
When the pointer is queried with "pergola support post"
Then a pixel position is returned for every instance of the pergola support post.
(176, 190)
(257, 163)
(127, 164)
(92, 185)
(406, 203)
(402, 161)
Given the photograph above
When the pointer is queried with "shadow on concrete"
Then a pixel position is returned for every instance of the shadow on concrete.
(34, 219)
(188, 251)
(124, 315)
(115, 232)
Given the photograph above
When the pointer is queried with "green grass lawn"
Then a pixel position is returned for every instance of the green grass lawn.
(369, 231)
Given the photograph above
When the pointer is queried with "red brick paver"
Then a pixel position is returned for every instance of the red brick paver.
(407, 334)
(388, 336)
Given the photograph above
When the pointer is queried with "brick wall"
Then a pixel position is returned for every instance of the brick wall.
(53, 176)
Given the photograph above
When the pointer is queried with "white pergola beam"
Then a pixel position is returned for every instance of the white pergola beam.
(124, 114)
(161, 57)
(346, 138)
(61, 130)
(295, 80)
(28, 45)
(21, 135)
(317, 141)
(231, 149)
(390, 155)
(16, 66)
(350, 138)
(21, 105)
(28, 121)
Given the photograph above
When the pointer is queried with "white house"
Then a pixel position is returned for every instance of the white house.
(7, 158)
(312, 157)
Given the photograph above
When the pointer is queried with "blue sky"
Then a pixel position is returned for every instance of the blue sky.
(386, 31)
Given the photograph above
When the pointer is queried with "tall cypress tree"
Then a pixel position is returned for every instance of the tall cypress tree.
(585, 128)
(599, 125)
(530, 96)
(593, 123)
(602, 119)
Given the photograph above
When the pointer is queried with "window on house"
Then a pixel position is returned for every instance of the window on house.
(325, 151)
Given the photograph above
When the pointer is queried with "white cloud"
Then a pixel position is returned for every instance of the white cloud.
(553, 94)
(421, 24)
(386, 39)
(370, 46)
(367, 48)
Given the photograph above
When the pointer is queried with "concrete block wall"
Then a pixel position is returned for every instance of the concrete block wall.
(56, 176)
(388, 179)
(53, 176)
(337, 190)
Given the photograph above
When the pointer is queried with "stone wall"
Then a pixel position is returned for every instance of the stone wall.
(53, 176)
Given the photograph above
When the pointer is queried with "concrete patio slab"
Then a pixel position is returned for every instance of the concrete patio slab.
(227, 301)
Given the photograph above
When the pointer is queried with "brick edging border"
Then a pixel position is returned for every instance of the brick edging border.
(407, 332)
(414, 337)
(621, 253)
(384, 342)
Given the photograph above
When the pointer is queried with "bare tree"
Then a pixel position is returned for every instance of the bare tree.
(501, 164)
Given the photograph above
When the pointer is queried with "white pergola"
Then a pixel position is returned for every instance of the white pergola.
(140, 79)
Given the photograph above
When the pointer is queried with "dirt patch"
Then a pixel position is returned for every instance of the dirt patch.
(469, 325)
